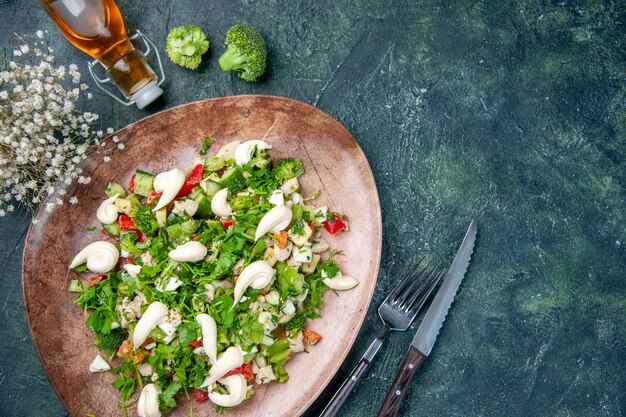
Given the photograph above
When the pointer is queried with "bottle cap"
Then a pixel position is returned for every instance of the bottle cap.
(146, 94)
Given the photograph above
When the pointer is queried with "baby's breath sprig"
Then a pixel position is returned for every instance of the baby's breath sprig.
(44, 136)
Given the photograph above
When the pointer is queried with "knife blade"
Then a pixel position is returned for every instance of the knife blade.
(428, 331)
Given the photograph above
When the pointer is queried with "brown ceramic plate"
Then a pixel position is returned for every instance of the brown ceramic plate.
(334, 164)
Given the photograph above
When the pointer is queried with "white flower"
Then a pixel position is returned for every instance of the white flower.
(73, 200)
(107, 159)
(45, 136)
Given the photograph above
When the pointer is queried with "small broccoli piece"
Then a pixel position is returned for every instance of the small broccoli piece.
(145, 221)
(111, 342)
(185, 46)
(297, 322)
(287, 168)
(246, 53)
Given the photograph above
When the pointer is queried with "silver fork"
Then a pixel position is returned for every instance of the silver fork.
(397, 312)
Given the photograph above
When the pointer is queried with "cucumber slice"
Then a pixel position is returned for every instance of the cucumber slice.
(144, 183)
(190, 226)
(211, 188)
(233, 179)
(77, 285)
(113, 188)
(175, 232)
(214, 163)
(204, 206)
(195, 192)
(180, 231)
(113, 229)
(157, 335)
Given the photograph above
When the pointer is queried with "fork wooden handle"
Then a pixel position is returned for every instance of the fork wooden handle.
(391, 405)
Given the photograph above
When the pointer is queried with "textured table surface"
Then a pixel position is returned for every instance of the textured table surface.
(511, 111)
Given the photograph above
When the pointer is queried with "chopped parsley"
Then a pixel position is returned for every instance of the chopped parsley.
(260, 324)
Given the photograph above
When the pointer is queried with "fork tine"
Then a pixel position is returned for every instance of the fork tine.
(400, 286)
(417, 287)
(416, 302)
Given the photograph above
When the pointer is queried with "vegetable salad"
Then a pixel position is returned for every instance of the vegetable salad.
(209, 278)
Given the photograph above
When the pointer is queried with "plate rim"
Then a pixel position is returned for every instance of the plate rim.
(376, 270)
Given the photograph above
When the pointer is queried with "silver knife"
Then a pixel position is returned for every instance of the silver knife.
(429, 328)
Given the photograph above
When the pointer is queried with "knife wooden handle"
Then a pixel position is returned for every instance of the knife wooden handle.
(412, 361)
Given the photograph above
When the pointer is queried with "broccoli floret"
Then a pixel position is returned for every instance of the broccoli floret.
(145, 221)
(287, 168)
(109, 343)
(185, 46)
(246, 52)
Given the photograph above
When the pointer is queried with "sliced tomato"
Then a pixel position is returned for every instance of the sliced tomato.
(124, 261)
(125, 222)
(153, 196)
(335, 224)
(281, 239)
(131, 184)
(195, 344)
(245, 370)
(226, 224)
(140, 236)
(199, 395)
(310, 337)
(94, 280)
(193, 179)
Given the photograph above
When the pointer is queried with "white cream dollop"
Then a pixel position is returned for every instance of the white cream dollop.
(169, 184)
(209, 335)
(243, 151)
(219, 205)
(275, 220)
(148, 403)
(341, 282)
(154, 315)
(237, 389)
(100, 256)
(107, 211)
(191, 251)
(257, 275)
(231, 358)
